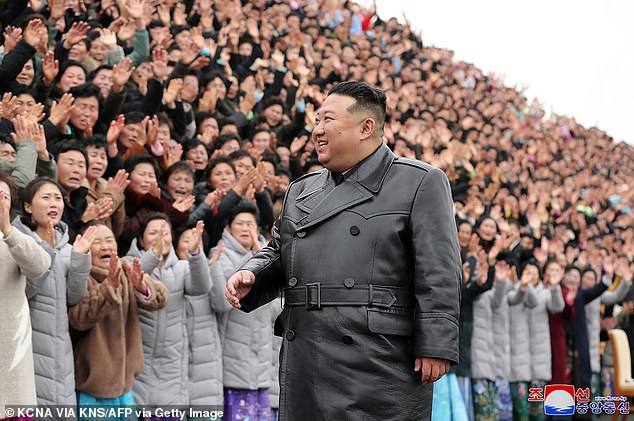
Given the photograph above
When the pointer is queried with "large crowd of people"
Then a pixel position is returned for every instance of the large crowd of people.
(145, 150)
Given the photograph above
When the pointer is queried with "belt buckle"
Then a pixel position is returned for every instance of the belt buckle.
(375, 291)
(310, 304)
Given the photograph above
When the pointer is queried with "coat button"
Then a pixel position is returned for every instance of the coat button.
(292, 282)
(347, 339)
(348, 282)
(290, 335)
(354, 230)
(301, 234)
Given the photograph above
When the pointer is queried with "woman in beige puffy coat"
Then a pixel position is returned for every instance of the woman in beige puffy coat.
(22, 258)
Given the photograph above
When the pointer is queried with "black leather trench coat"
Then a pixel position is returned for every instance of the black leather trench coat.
(370, 270)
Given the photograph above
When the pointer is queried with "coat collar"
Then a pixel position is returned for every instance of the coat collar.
(321, 199)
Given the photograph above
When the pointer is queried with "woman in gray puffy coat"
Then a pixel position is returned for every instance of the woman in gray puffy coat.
(164, 379)
(500, 320)
(247, 339)
(64, 286)
(483, 363)
(549, 300)
(521, 300)
(203, 331)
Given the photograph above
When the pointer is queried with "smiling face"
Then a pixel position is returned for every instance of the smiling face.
(464, 234)
(180, 185)
(336, 134)
(572, 279)
(273, 115)
(24, 103)
(73, 76)
(47, 205)
(487, 229)
(103, 247)
(71, 169)
(78, 52)
(27, 74)
(98, 50)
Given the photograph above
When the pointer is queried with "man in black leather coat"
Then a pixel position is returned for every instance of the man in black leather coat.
(366, 254)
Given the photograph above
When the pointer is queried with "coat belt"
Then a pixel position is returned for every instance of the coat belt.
(314, 296)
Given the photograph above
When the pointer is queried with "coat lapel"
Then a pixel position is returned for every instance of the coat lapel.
(314, 192)
(323, 199)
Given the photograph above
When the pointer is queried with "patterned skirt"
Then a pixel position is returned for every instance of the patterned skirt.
(247, 405)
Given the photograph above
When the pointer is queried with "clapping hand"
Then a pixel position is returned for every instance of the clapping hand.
(119, 182)
(83, 242)
(217, 253)
(196, 240)
(114, 273)
(135, 275)
(214, 198)
(97, 211)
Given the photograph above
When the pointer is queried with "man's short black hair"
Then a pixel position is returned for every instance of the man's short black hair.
(93, 74)
(134, 117)
(97, 140)
(261, 130)
(73, 145)
(235, 155)
(368, 99)
(86, 90)
(7, 139)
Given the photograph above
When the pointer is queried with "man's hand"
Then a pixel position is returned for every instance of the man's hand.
(121, 73)
(431, 369)
(238, 286)
(61, 111)
(75, 34)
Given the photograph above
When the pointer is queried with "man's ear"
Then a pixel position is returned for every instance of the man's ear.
(368, 128)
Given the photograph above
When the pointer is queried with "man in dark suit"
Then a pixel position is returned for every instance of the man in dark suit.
(367, 257)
